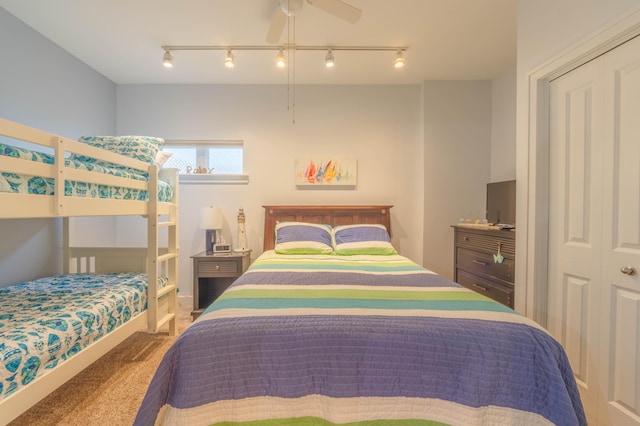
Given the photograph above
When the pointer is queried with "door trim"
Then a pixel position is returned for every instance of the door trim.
(533, 183)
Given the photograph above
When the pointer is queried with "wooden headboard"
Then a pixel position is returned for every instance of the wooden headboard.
(330, 215)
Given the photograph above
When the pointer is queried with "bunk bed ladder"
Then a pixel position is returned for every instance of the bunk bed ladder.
(162, 302)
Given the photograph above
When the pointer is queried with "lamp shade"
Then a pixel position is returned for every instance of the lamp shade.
(211, 218)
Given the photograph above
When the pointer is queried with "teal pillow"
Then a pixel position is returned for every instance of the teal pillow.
(362, 239)
(143, 148)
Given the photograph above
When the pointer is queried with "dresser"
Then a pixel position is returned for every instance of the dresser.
(477, 255)
(212, 274)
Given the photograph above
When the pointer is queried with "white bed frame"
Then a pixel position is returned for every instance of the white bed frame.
(155, 261)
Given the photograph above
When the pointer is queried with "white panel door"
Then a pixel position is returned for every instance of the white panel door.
(594, 231)
(575, 222)
(620, 298)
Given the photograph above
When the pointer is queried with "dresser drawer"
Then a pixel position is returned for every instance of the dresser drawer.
(488, 243)
(480, 263)
(487, 288)
(218, 269)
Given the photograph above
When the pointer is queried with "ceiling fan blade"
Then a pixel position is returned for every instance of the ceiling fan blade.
(339, 9)
(277, 26)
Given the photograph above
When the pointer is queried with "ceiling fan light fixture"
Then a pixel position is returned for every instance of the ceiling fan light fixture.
(291, 7)
(281, 62)
(229, 60)
(399, 61)
(167, 59)
(329, 61)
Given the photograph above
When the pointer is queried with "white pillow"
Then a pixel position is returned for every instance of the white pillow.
(162, 157)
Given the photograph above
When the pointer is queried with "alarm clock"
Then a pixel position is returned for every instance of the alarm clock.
(221, 248)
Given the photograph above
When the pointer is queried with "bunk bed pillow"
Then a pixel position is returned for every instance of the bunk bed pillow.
(143, 148)
(303, 238)
(362, 239)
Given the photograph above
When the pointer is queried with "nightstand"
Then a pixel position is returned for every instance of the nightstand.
(212, 274)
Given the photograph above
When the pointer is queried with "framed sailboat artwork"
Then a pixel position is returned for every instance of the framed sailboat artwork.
(326, 172)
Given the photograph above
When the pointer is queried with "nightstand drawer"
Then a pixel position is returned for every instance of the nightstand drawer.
(485, 287)
(483, 264)
(220, 268)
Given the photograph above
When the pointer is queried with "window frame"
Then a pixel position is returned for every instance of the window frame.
(203, 146)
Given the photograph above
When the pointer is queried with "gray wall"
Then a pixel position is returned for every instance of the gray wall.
(410, 142)
(43, 86)
(377, 125)
(503, 126)
(457, 143)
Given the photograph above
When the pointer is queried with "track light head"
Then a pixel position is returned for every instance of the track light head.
(229, 60)
(329, 62)
(281, 62)
(167, 59)
(399, 62)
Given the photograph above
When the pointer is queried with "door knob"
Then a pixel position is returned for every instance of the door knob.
(629, 270)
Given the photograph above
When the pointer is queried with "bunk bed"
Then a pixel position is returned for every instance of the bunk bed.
(329, 325)
(43, 175)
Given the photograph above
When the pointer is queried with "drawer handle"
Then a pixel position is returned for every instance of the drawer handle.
(481, 287)
(217, 267)
(479, 262)
(466, 238)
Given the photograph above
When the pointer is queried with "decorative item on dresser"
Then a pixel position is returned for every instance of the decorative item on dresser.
(212, 274)
(484, 259)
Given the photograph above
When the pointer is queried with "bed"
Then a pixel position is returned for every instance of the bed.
(356, 335)
(105, 294)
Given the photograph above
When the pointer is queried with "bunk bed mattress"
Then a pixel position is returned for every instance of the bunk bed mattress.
(44, 322)
(329, 340)
(25, 184)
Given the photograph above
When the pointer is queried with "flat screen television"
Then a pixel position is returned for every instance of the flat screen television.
(501, 203)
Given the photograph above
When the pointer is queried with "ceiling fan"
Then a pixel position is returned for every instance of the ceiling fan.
(288, 8)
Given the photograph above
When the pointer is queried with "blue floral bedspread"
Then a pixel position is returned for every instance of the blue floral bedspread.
(18, 183)
(46, 321)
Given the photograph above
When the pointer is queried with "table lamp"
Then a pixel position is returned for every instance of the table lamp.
(211, 219)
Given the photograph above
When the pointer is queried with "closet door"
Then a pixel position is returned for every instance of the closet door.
(620, 298)
(575, 222)
(594, 224)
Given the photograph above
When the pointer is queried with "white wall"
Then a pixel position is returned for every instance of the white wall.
(457, 143)
(545, 29)
(45, 87)
(503, 126)
(378, 125)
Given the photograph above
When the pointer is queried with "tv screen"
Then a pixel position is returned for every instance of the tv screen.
(501, 203)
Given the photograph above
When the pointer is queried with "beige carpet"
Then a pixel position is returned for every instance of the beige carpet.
(110, 390)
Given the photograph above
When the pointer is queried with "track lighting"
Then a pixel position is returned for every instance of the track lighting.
(167, 59)
(329, 62)
(229, 60)
(281, 62)
(399, 62)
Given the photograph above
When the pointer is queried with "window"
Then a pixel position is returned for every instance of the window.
(207, 161)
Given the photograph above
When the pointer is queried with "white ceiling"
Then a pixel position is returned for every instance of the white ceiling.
(121, 39)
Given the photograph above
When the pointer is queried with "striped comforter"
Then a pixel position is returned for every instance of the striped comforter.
(330, 340)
